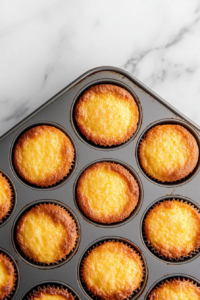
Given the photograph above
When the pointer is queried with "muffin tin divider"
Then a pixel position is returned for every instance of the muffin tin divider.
(58, 110)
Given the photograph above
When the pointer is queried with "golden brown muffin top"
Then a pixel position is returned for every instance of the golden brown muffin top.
(107, 192)
(5, 197)
(7, 276)
(112, 270)
(168, 153)
(43, 155)
(51, 293)
(46, 233)
(107, 115)
(173, 228)
(176, 289)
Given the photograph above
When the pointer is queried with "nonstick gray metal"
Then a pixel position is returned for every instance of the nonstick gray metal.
(58, 112)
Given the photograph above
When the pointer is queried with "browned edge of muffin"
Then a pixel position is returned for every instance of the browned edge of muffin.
(51, 290)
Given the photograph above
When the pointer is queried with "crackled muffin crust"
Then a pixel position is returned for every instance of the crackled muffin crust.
(43, 155)
(46, 233)
(176, 289)
(7, 276)
(112, 271)
(107, 192)
(107, 115)
(5, 197)
(168, 153)
(52, 293)
(173, 228)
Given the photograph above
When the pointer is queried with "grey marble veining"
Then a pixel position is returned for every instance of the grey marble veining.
(44, 45)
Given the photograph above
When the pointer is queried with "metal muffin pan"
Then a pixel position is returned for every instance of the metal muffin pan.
(58, 112)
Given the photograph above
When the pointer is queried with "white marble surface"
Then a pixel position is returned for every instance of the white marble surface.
(45, 44)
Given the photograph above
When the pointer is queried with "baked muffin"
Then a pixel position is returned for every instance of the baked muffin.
(112, 271)
(5, 197)
(107, 115)
(52, 293)
(46, 233)
(107, 193)
(43, 155)
(7, 276)
(168, 153)
(175, 289)
(173, 228)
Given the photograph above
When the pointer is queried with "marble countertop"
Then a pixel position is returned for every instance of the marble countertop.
(45, 44)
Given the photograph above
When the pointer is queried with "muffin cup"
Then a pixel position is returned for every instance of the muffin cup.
(13, 199)
(183, 259)
(17, 274)
(168, 278)
(173, 122)
(41, 265)
(49, 284)
(126, 242)
(61, 181)
(81, 92)
(135, 210)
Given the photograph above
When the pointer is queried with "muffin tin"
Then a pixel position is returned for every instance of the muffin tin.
(58, 112)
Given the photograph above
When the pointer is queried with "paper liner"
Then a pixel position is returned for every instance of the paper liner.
(170, 280)
(156, 252)
(15, 277)
(12, 200)
(52, 289)
(179, 181)
(104, 242)
(32, 261)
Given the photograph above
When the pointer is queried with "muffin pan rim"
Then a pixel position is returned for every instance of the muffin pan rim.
(91, 72)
